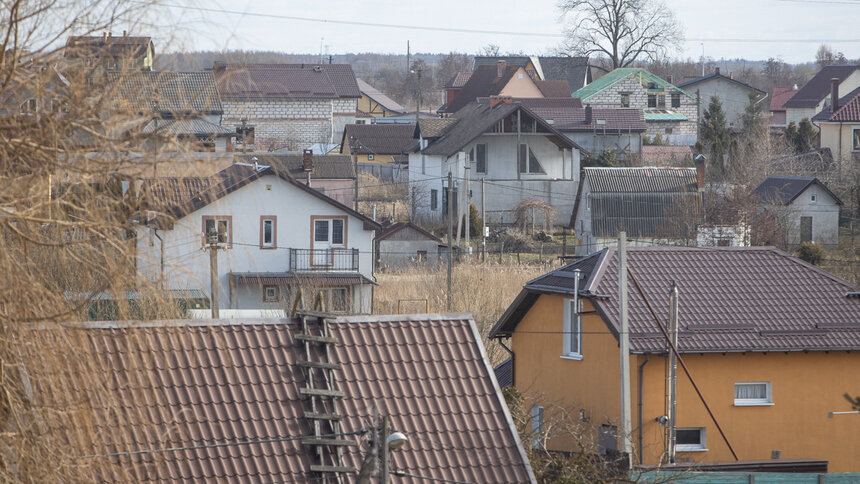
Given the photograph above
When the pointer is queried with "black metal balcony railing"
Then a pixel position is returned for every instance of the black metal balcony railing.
(323, 260)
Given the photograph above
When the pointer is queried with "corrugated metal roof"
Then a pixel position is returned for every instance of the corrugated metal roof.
(641, 180)
(611, 78)
(319, 278)
(732, 299)
(664, 116)
(188, 391)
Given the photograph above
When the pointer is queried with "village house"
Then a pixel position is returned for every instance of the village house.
(734, 95)
(375, 103)
(97, 55)
(669, 110)
(275, 235)
(807, 209)
(274, 107)
(298, 399)
(839, 125)
(401, 245)
(777, 106)
(654, 205)
(575, 70)
(331, 175)
(814, 96)
(517, 154)
(378, 143)
(769, 340)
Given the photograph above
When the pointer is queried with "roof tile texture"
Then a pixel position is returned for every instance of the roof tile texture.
(284, 81)
(166, 92)
(573, 119)
(381, 139)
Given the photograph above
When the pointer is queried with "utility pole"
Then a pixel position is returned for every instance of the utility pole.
(450, 229)
(673, 372)
(468, 196)
(483, 223)
(213, 270)
(355, 167)
(383, 442)
(626, 427)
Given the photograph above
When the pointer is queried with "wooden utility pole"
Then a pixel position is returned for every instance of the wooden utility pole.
(624, 328)
(483, 223)
(383, 443)
(213, 270)
(450, 230)
(673, 373)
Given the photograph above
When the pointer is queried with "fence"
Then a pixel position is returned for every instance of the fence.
(385, 172)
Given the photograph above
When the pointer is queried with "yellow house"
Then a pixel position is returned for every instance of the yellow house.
(839, 123)
(771, 342)
(377, 143)
(376, 104)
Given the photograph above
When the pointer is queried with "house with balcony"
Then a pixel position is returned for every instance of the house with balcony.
(278, 240)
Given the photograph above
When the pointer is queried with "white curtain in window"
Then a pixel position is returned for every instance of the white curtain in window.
(751, 391)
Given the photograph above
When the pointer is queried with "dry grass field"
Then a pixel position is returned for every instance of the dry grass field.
(485, 290)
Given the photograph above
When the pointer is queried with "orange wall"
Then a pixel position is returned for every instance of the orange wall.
(806, 386)
(521, 85)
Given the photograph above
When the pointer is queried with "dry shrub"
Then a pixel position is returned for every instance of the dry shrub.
(485, 290)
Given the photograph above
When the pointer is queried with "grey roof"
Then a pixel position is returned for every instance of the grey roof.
(505, 373)
(785, 189)
(186, 127)
(378, 139)
(573, 119)
(325, 166)
(476, 119)
(819, 86)
(169, 93)
(512, 60)
(574, 70)
(717, 76)
(547, 102)
(739, 299)
(286, 81)
(641, 180)
(379, 97)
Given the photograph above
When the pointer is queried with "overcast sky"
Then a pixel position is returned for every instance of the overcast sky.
(751, 29)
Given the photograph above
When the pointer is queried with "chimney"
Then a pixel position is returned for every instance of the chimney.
(700, 171)
(104, 36)
(588, 114)
(834, 95)
(671, 79)
(500, 68)
(125, 33)
(717, 71)
(308, 164)
(496, 100)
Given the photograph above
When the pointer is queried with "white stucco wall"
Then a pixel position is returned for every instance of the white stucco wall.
(186, 263)
(825, 217)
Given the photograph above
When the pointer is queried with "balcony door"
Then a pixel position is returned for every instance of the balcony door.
(329, 235)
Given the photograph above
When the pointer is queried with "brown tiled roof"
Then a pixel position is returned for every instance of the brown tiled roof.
(554, 88)
(169, 93)
(458, 81)
(818, 87)
(534, 103)
(220, 401)
(286, 81)
(378, 139)
(779, 96)
(434, 128)
(483, 83)
(732, 299)
(573, 119)
(325, 166)
(82, 46)
(848, 110)
(380, 97)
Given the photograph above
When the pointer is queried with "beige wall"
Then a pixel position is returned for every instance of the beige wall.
(838, 137)
(521, 85)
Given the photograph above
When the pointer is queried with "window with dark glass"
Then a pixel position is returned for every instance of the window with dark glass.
(481, 158)
(676, 100)
(625, 99)
(529, 162)
(652, 100)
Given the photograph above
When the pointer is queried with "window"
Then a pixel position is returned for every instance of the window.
(369, 157)
(359, 121)
(572, 330)
(434, 199)
(676, 100)
(652, 100)
(625, 99)
(690, 439)
(668, 130)
(529, 162)
(245, 134)
(271, 294)
(421, 256)
(812, 198)
(29, 106)
(661, 101)
(753, 393)
(222, 225)
(268, 232)
(330, 231)
(59, 106)
(479, 156)
(856, 140)
(537, 426)
(111, 65)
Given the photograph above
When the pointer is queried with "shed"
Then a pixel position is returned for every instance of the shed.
(402, 244)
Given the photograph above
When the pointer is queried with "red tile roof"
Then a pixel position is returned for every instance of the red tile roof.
(220, 401)
(779, 96)
(284, 81)
(848, 109)
(459, 80)
(733, 299)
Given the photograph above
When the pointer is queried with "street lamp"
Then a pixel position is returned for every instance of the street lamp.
(393, 441)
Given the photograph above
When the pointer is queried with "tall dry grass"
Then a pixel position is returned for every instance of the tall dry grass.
(485, 290)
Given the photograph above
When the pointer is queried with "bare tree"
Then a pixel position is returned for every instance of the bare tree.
(622, 30)
(825, 56)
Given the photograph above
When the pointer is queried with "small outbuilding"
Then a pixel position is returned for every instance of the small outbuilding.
(402, 244)
(810, 209)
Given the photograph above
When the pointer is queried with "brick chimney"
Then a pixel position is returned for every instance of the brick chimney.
(834, 95)
(500, 68)
(308, 164)
(125, 33)
(700, 172)
(496, 100)
(671, 79)
(588, 114)
(717, 71)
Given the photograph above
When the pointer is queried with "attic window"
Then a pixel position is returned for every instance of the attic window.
(812, 198)
(528, 161)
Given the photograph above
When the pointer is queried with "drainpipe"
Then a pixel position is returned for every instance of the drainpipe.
(641, 373)
(513, 362)
(161, 241)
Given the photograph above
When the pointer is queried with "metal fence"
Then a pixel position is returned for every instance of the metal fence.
(323, 260)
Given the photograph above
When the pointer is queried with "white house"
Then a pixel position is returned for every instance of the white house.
(517, 154)
(811, 210)
(275, 235)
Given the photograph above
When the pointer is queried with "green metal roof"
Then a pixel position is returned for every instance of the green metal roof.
(618, 75)
(664, 116)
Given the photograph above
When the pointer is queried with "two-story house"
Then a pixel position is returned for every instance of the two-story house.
(275, 235)
(97, 55)
(669, 110)
(517, 154)
(501, 79)
(814, 96)
(770, 342)
(575, 70)
(274, 107)
(732, 93)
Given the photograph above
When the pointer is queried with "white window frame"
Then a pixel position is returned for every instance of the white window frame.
(537, 426)
(754, 402)
(572, 325)
(369, 157)
(855, 139)
(273, 221)
(700, 447)
(275, 291)
(527, 162)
